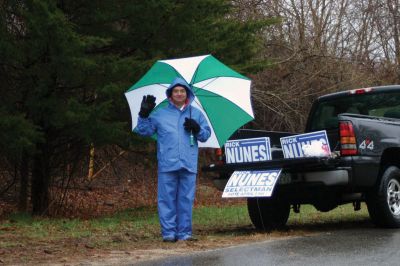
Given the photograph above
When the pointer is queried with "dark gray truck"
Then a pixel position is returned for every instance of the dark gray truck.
(363, 129)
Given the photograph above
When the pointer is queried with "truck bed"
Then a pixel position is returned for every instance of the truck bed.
(296, 164)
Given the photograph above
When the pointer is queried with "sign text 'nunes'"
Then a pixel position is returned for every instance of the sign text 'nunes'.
(313, 144)
(248, 150)
(251, 183)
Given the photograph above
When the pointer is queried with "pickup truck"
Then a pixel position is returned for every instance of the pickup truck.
(363, 130)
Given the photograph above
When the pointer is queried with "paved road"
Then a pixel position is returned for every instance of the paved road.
(365, 246)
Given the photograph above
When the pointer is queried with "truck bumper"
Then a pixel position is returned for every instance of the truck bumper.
(322, 171)
(328, 178)
(339, 177)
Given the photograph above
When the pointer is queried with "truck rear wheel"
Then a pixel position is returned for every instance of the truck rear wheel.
(384, 202)
(268, 213)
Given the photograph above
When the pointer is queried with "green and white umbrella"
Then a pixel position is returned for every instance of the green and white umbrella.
(222, 94)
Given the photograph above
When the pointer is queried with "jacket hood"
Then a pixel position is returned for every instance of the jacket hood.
(183, 83)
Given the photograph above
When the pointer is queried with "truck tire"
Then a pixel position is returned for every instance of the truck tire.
(268, 213)
(384, 201)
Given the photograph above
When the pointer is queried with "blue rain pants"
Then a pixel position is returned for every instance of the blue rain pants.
(176, 191)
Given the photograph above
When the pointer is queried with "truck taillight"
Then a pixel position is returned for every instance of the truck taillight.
(360, 91)
(219, 155)
(348, 143)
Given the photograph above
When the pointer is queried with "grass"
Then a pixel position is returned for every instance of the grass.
(345, 213)
(221, 216)
(237, 216)
(147, 219)
(23, 238)
(141, 226)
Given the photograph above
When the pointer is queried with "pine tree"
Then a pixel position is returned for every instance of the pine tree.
(66, 65)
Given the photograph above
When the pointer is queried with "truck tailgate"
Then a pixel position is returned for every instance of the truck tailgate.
(288, 165)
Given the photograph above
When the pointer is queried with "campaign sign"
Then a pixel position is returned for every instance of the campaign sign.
(314, 144)
(251, 184)
(248, 150)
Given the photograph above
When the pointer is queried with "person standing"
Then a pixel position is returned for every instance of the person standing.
(178, 127)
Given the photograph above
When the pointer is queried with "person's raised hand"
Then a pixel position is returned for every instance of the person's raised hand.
(191, 125)
(147, 105)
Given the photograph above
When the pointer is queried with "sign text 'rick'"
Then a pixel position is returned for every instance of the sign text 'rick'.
(248, 150)
(314, 144)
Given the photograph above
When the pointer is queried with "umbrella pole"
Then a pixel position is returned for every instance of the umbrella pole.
(191, 131)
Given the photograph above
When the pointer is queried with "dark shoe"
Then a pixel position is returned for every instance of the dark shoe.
(169, 240)
(190, 238)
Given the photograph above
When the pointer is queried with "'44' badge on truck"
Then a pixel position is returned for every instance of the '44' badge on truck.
(367, 144)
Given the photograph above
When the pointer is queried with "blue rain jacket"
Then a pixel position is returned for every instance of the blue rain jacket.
(173, 141)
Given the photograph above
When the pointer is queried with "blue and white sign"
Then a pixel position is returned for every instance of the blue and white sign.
(314, 144)
(251, 184)
(248, 150)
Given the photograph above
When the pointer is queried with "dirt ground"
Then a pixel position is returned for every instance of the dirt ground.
(126, 247)
(125, 251)
(130, 256)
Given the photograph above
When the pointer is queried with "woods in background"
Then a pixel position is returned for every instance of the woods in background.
(319, 47)
(64, 66)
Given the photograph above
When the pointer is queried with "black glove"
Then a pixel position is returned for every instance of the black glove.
(148, 104)
(191, 125)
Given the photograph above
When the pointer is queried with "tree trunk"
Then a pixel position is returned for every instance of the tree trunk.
(40, 183)
(91, 162)
(23, 191)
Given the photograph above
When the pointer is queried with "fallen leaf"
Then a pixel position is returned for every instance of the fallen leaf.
(47, 251)
(89, 246)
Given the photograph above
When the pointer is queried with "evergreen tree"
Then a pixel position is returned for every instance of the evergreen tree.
(66, 65)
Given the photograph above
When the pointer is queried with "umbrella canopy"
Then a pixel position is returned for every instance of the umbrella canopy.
(222, 94)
